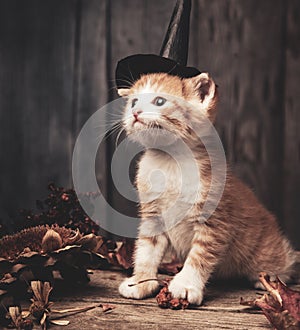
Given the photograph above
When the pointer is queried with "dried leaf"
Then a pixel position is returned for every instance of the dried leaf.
(15, 314)
(73, 239)
(46, 291)
(281, 305)
(60, 322)
(36, 287)
(90, 242)
(18, 319)
(25, 314)
(66, 249)
(27, 257)
(7, 280)
(123, 256)
(40, 307)
(16, 269)
(290, 299)
(265, 280)
(43, 320)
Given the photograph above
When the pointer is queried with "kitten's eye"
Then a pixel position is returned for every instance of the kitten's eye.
(133, 102)
(159, 101)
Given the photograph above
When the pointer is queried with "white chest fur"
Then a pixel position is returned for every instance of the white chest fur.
(174, 183)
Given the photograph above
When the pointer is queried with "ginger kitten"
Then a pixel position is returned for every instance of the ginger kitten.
(240, 238)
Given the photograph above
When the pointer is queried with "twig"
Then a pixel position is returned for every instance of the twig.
(73, 310)
(274, 293)
(161, 282)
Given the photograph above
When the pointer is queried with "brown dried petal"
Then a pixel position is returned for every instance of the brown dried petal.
(15, 314)
(51, 241)
(290, 299)
(124, 254)
(163, 297)
(36, 287)
(16, 269)
(66, 250)
(90, 242)
(30, 239)
(7, 279)
(280, 305)
(73, 239)
(46, 291)
(60, 322)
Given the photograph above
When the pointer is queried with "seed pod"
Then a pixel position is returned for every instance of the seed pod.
(51, 241)
(90, 242)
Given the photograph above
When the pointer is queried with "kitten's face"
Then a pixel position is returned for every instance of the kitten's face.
(162, 107)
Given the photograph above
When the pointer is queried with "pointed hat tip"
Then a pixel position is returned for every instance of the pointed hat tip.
(173, 55)
(176, 42)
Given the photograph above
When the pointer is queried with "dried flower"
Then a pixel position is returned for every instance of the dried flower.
(165, 300)
(164, 297)
(18, 320)
(35, 253)
(61, 207)
(121, 254)
(40, 307)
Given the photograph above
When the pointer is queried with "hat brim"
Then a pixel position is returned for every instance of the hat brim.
(131, 68)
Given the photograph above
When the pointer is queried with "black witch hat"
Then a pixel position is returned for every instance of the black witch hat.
(173, 55)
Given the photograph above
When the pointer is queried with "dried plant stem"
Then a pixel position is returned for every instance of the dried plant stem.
(74, 310)
(274, 293)
(161, 282)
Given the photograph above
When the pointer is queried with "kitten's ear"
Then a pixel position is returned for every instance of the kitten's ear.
(123, 92)
(204, 87)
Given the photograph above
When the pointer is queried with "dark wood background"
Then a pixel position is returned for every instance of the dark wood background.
(57, 60)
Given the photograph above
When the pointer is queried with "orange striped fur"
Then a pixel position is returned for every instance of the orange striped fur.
(241, 238)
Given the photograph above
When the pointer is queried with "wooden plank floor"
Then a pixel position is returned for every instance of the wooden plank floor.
(221, 308)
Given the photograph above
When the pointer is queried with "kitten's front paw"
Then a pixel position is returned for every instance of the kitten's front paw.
(138, 291)
(186, 288)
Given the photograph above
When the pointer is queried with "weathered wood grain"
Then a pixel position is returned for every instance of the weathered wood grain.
(36, 91)
(240, 44)
(91, 93)
(90, 82)
(53, 77)
(221, 309)
(124, 18)
(292, 124)
(136, 27)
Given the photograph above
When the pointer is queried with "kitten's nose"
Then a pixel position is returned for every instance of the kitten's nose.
(136, 113)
